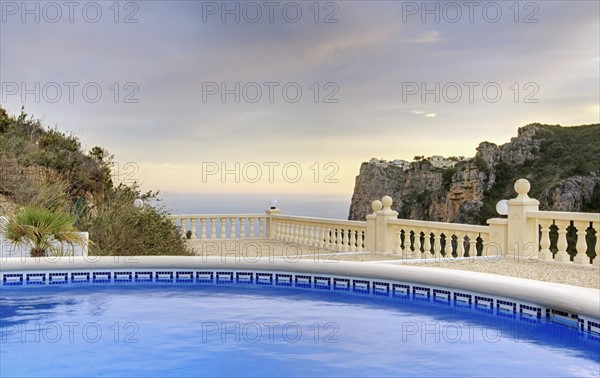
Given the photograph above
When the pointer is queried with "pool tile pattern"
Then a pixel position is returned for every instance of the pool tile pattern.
(497, 306)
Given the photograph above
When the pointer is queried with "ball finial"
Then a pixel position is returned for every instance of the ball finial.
(522, 187)
(376, 205)
(387, 202)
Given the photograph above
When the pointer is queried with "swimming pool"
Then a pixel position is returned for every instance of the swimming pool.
(206, 320)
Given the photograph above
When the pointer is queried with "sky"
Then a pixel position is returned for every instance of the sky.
(291, 97)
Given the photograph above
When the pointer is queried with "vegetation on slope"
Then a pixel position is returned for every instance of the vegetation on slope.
(563, 152)
(47, 169)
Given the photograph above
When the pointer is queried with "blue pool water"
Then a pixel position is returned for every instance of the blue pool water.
(229, 331)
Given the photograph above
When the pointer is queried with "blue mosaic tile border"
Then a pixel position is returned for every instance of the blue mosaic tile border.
(497, 306)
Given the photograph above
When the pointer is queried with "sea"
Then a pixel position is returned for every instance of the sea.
(311, 205)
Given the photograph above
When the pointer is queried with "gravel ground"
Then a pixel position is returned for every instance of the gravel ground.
(550, 272)
(535, 270)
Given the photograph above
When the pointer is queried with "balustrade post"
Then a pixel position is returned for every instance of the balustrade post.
(522, 231)
(498, 237)
(371, 235)
(385, 240)
(397, 241)
(272, 222)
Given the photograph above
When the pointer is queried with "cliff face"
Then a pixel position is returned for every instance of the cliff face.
(562, 163)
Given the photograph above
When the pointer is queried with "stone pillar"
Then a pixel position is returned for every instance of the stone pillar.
(271, 223)
(371, 236)
(498, 243)
(522, 233)
(385, 241)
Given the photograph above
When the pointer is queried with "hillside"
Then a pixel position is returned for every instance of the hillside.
(46, 168)
(562, 164)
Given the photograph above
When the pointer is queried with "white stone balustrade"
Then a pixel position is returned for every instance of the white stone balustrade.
(527, 233)
(333, 234)
(582, 227)
(221, 226)
(427, 240)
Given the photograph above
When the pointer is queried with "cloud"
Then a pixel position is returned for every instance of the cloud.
(428, 36)
(430, 115)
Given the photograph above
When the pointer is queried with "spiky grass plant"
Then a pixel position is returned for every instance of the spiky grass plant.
(42, 230)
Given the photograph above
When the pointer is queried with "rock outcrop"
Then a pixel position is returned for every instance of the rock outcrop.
(562, 163)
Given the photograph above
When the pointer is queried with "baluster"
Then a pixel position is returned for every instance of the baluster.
(310, 234)
(203, 228)
(437, 244)
(448, 245)
(251, 231)
(296, 233)
(426, 243)
(352, 240)
(545, 253)
(303, 234)
(417, 243)
(359, 241)
(261, 227)
(296, 228)
(338, 239)
(288, 232)
(316, 242)
(561, 254)
(232, 228)
(279, 233)
(472, 243)
(581, 257)
(597, 249)
(344, 245)
(182, 227)
(307, 232)
(322, 233)
(193, 236)
(243, 228)
(460, 248)
(223, 229)
(283, 231)
(406, 251)
(213, 228)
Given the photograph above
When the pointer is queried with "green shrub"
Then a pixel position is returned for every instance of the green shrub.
(120, 229)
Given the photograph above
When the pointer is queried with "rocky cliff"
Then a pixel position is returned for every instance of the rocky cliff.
(562, 164)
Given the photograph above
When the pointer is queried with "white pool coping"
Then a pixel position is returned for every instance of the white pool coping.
(571, 299)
